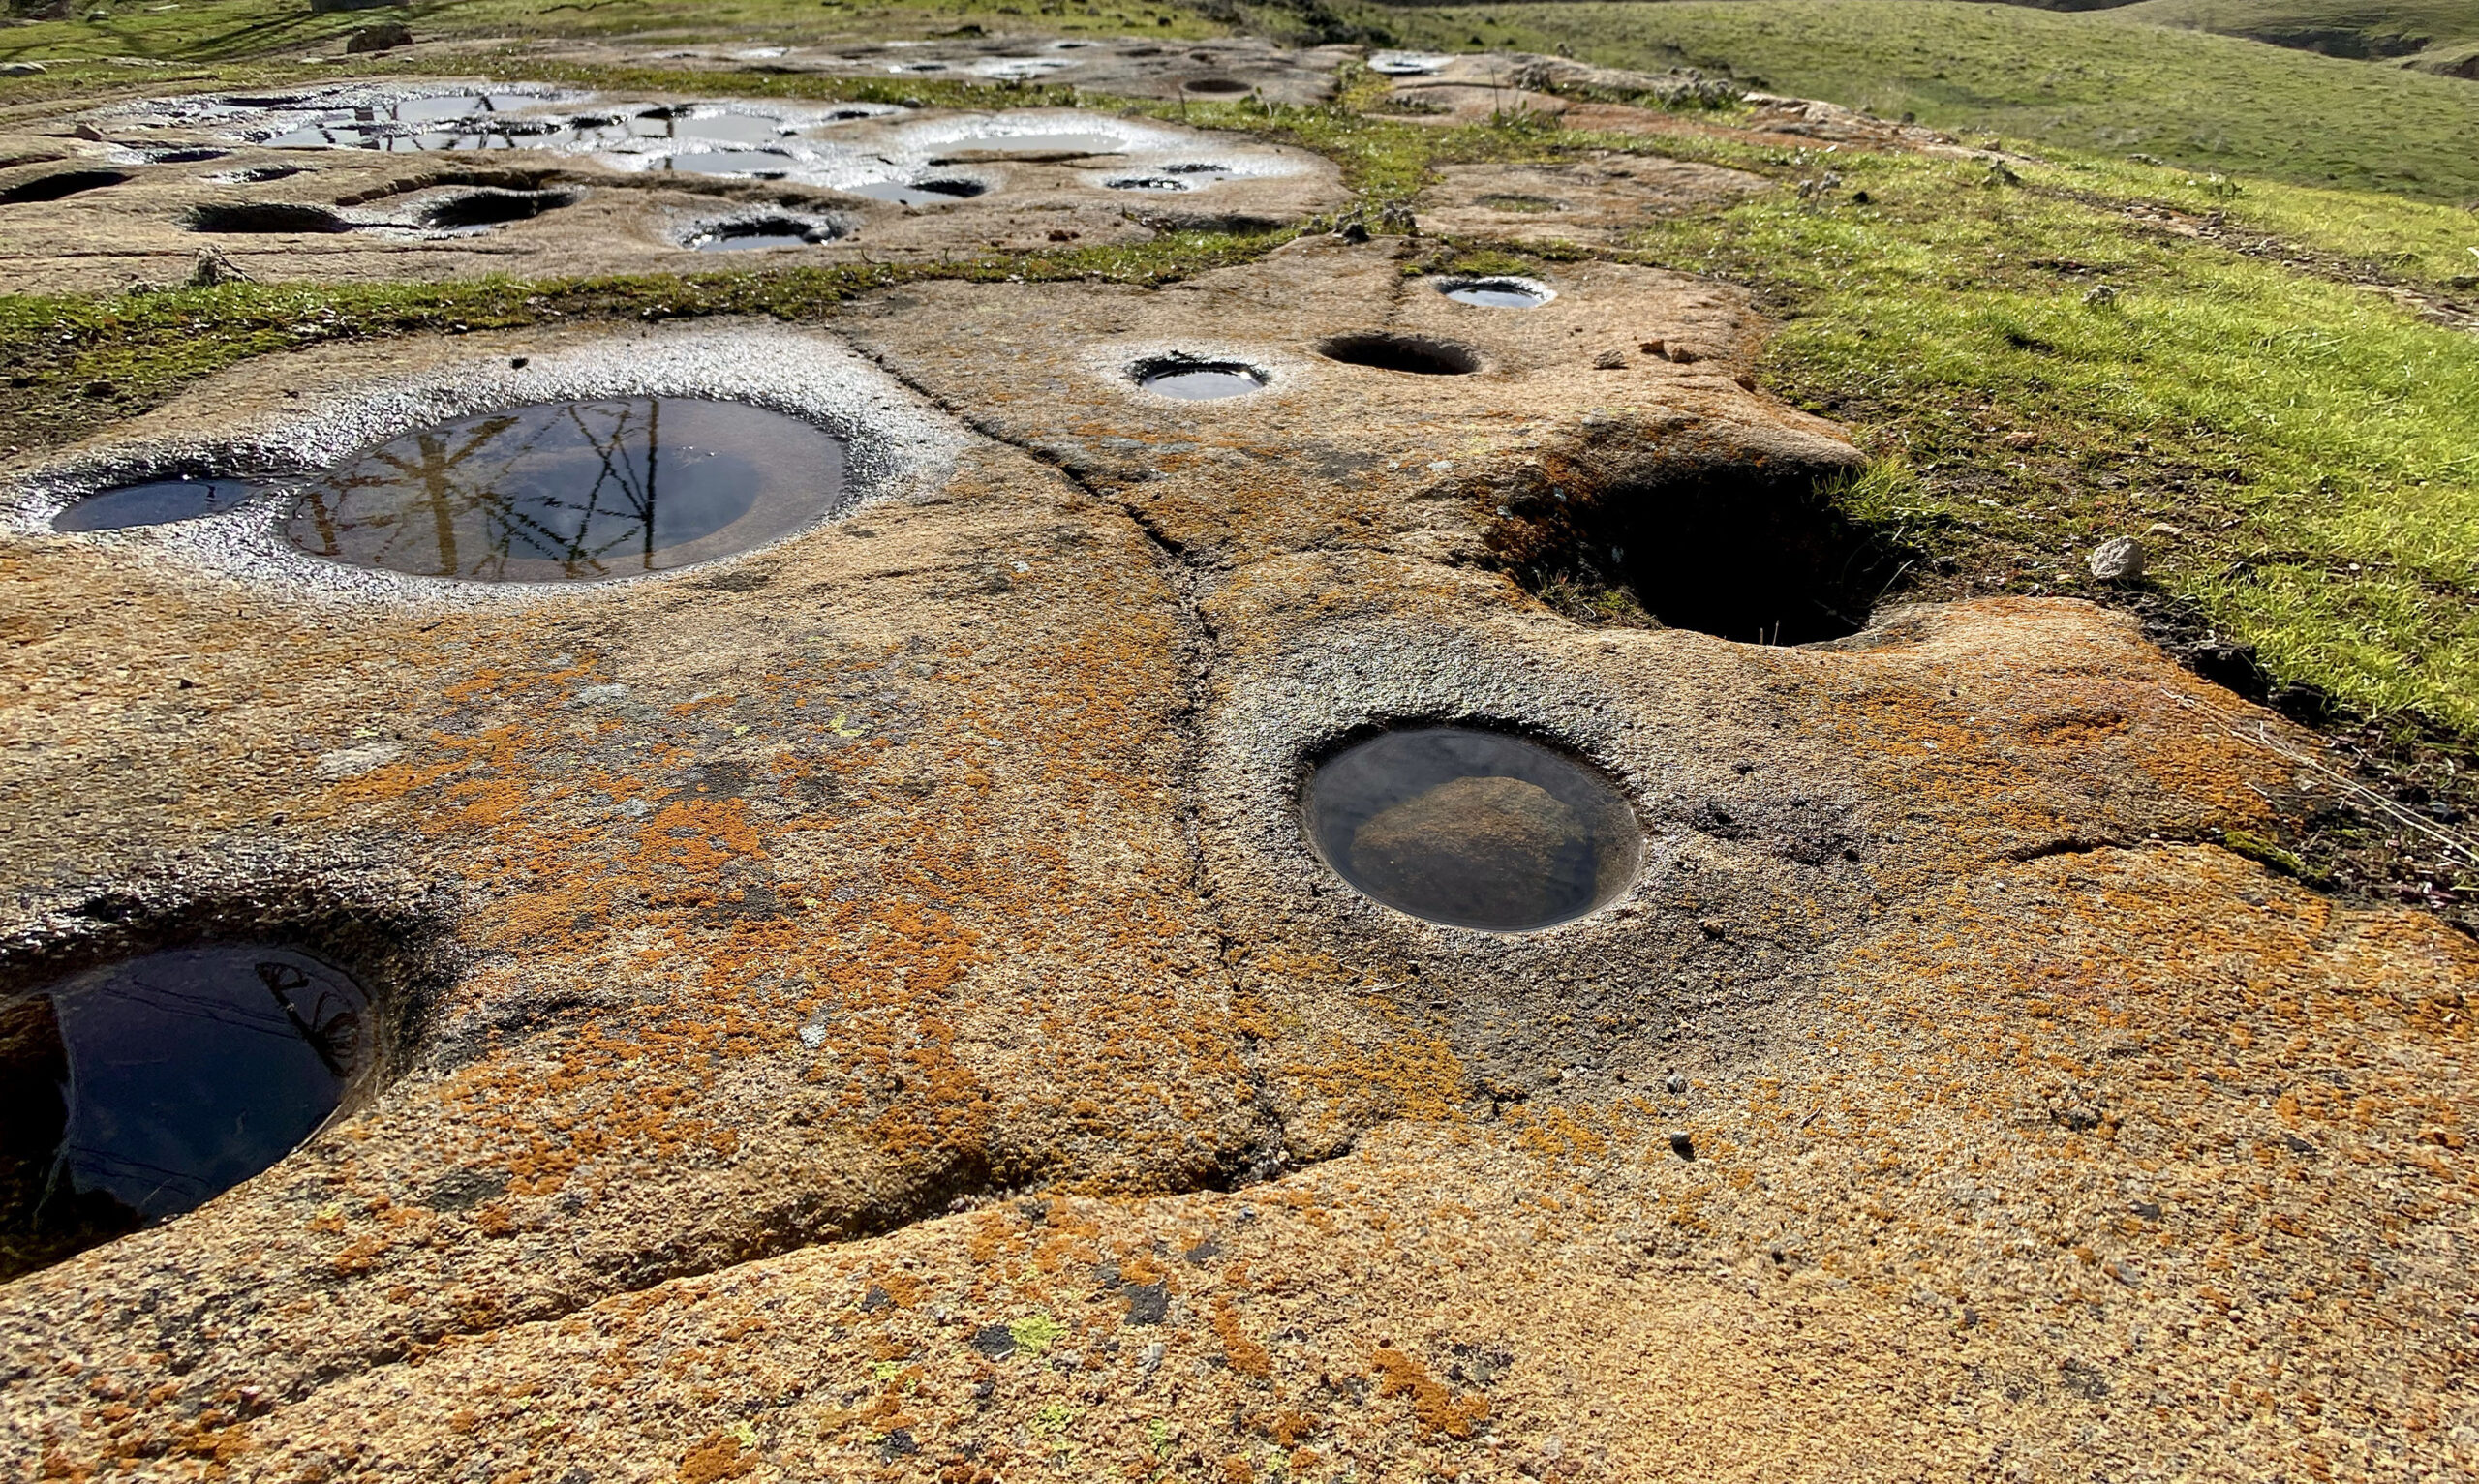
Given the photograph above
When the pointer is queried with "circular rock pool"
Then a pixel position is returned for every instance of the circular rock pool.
(134, 1092)
(1472, 828)
(575, 491)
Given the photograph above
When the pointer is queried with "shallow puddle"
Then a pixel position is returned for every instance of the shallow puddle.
(1472, 828)
(763, 164)
(1201, 380)
(138, 1091)
(1496, 292)
(1064, 143)
(155, 503)
(576, 491)
(921, 193)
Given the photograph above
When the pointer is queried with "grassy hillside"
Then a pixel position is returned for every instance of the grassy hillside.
(2089, 81)
(228, 30)
(2419, 32)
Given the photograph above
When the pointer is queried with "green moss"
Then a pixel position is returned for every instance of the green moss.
(1035, 1332)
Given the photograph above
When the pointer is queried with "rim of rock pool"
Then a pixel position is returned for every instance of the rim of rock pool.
(1495, 291)
(1470, 825)
(1188, 377)
(895, 446)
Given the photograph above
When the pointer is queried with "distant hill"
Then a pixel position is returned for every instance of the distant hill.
(2116, 81)
(2439, 36)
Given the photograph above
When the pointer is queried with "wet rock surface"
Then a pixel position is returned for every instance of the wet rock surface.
(868, 1005)
(454, 179)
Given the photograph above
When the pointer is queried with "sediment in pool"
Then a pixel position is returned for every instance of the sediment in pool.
(1471, 828)
(575, 491)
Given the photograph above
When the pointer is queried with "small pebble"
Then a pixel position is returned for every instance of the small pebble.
(1682, 1143)
(1675, 1083)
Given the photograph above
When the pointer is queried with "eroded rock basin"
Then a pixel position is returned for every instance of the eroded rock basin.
(901, 945)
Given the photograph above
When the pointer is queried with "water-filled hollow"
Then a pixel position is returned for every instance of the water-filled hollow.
(1472, 828)
(156, 503)
(1196, 379)
(1496, 292)
(922, 193)
(575, 491)
(134, 1091)
(1417, 354)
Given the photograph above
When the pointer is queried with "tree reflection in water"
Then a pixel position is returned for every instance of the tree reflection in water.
(136, 1091)
(576, 491)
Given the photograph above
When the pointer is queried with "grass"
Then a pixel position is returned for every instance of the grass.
(2315, 446)
(231, 30)
(2415, 31)
(2085, 80)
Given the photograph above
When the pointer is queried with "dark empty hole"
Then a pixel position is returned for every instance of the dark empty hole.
(760, 233)
(155, 503)
(52, 187)
(1471, 828)
(489, 207)
(185, 156)
(134, 1091)
(1220, 85)
(1417, 354)
(1744, 555)
(264, 217)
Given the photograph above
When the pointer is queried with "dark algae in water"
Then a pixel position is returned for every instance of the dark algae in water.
(134, 1092)
(575, 491)
(1472, 828)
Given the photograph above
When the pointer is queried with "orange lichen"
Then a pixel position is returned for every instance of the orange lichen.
(1437, 1408)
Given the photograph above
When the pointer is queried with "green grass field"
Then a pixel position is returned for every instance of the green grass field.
(2415, 33)
(2087, 80)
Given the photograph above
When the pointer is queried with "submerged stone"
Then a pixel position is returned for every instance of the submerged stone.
(1472, 828)
(575, 491)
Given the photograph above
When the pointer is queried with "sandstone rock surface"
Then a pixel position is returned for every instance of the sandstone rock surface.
(866, 1008)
